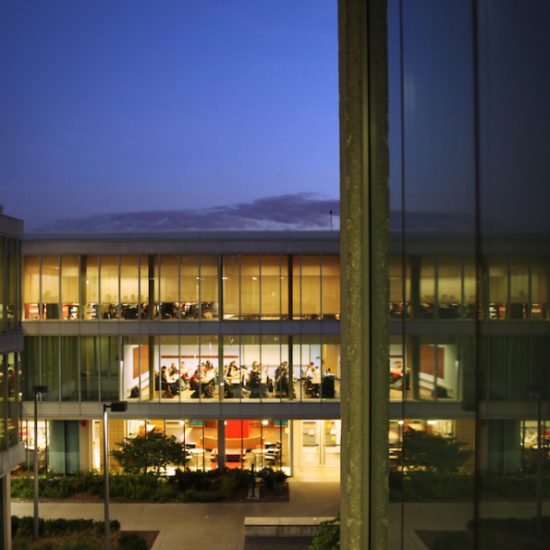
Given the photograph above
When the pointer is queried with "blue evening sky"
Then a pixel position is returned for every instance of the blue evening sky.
(120, 106)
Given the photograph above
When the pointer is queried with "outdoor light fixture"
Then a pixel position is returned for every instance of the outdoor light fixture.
(37, 390)
(117, 406)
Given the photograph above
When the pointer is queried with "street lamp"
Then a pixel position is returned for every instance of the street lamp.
(117, 406)
(536, 391)
(37, 390)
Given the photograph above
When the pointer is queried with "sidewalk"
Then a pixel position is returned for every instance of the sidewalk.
(219, 526)
(199, 526)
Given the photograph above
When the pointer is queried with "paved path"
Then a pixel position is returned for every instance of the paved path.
(220, 526)
(199, 526)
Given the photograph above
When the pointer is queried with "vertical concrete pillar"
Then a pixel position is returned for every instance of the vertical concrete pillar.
(5, 497)
(85, 445)
(364, 230)
(221, 443)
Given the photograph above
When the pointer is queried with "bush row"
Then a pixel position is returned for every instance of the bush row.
(77, 534)
(185, 486)
(432, 487)
(504, 534)
(54, 527)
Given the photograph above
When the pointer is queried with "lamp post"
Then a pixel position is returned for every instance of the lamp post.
(37, 390)
(117, 406)
(536, 391)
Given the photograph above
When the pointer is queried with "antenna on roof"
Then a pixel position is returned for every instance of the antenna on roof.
(330, 214)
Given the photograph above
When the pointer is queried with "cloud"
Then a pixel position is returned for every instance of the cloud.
(299, 211)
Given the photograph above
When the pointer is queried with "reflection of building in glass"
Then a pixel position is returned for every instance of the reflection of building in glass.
(11, 344)
(209, 337)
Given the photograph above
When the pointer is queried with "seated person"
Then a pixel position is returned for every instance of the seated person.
(313, 380)
(255, 381)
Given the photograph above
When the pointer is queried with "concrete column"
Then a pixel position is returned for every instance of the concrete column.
(221, 444)
(6, 511)
(364, 232)
(85, 445)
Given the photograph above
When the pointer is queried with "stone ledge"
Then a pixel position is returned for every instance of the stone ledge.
(282, 526)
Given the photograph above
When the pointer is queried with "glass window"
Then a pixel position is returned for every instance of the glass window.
(233, 359)
(519, 288)
(231, 287)
(169, 287)
(89, 368)
(331, 287)
(306, 367)
(449, 287)
(167, 376)
(135, 374)
(469, 291)
(399, 371)
(250, 287)
(49, 353)
(539, 289)
(90, 267)
(498, 288)
(109, 371)
(144, 287)
(12, 311)
(296, 287)
(426, 303)
(13, 374)
(272, 283)
(427, 362)
(398, 302)
(189, 362)
(31, 287)
(189, 287)
(3, 284)
(330, 367)
(204, 380)
(109, 288)
(69, 368)
(209, 287)
(3, 404)
(50, 287)
(129, 287)
(31, 360)
(310, 291)
(70, 289)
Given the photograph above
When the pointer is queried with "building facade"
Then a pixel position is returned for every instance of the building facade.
(233, 341)
(11, 345)
(222, 340)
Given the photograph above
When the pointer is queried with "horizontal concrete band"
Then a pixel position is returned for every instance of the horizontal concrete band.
(11, 458)
(285, 410)
(282, 526)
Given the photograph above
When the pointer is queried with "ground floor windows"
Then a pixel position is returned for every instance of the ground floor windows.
(298, 447)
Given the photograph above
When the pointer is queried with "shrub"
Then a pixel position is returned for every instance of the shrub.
(430, 487)
(328, 536)
(152, 451)
(54, 527)
(274, 481)
(131, 541)
(433, 452)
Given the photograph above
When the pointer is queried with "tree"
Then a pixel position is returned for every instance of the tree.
(433, 452)
(152, 451)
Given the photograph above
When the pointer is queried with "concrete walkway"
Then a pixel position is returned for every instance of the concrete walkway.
(199, 526)
(220, 526)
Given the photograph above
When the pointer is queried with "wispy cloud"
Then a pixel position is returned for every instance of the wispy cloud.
(299, 211)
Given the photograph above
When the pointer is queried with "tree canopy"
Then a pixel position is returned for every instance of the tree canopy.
(150, 452)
